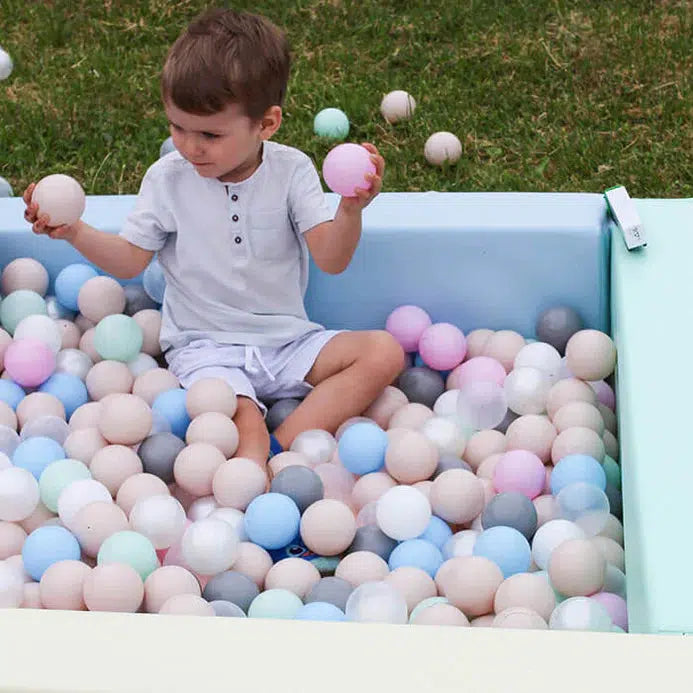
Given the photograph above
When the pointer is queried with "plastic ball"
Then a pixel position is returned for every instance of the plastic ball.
(506, 547)
(99, 297)
(376, 602)
(113, 587)
(615, 606)
(584, 504)
(11, 393)
(58, 312)
(470, 583)
(227, 609)
(406, 324)
(317, 445)
(24, 273)
(421, 384)
(171, 405)
(62, 584)
(332, 590)
(482, 404)
(417, 553)
(272, 520)
(460, 544)
(438, 532)
(97, 521)
(231, 586)
(11, 587)
(19, 305)
(61, 197)
(551, 535)
(186, 605)
(577, 468)
(542, 356)
(136, 299)
(125, 419)
(131, 548)
(158, 453)
(580, 613)
(411, 456)
(48, 545)
(442, 346)
(29, 362)
(67, 388)
(557, 325)
(118, 338)
(442, 147)
(154, 281)
(78, 494)
(35, 454)
(319, 611)
(73, 362)
(591, 355)
(69, 282)
(299, 483)
(141, 363)
(40, 328)
(331, 123)
(57, 476)
(209, 546)
(511, 509)
(478, 368)
(403, 513)
(521, 471)
(397, 105)
(279, 411)
(345, 167)
(19, 494)
(372, 539)
(159, 518)
(457, 496)
(275, 603)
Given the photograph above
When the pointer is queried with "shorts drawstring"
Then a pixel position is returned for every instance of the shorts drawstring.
(253, 353)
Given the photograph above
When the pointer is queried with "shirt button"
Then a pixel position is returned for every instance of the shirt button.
(235, 217)
(234, 197)
(237, 239)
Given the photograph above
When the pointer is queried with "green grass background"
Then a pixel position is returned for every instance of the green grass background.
(547, 95)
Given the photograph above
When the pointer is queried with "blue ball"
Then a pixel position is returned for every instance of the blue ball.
(506, 547)
(11, 393)
(419, 362)
(48, 545)
(362, 448)
(272, 520)
(69, 389)
(577, 468)
(70, 280)
(5, 188)
(320, 611)
(35, 454)
(154, 282)
(437, 532)
(171, 405)
(332, 123)
(417, 553)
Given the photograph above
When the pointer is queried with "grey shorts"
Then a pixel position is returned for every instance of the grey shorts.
(259, 373)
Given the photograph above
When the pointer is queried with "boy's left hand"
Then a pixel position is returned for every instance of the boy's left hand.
(364, 197)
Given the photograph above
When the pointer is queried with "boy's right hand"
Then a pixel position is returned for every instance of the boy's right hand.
(39, 222)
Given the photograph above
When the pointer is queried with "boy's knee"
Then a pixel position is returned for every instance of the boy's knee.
(386, 353)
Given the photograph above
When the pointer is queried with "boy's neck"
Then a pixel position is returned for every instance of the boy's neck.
(245, 170)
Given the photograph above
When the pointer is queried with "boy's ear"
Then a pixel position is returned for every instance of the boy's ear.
(270, 122)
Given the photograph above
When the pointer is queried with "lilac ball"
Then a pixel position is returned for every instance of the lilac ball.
(345, 168)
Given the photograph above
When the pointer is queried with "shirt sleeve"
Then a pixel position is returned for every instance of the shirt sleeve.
(307, 202)
(150, 221)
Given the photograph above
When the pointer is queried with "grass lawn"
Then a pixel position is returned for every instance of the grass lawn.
(547, 95)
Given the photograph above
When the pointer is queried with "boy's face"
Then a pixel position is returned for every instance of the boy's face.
(225, 145)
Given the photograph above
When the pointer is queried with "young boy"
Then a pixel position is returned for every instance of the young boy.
(232, 216)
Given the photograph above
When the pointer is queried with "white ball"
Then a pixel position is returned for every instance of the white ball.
(397, 105)
(19, 494)
(580, 613)
(11, 587)
(446, 404)
(527, 390)
(209, 546)
(60, 197)
(403, 512)
(376, 602)
(441, 147)
(142, 363)
(446, 434)
(5, 64)
(202, 508)
(42, 328)
(460, 544)
(542, 356)
(551, 535)
(234, 517)
(74, 362)
(159, 518)
(482, 404)
(317, 445)
(78, 494)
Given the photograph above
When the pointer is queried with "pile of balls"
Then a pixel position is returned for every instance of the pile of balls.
(482, 489)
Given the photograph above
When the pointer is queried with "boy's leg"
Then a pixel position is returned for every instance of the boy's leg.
(254, 441)
(351, 370)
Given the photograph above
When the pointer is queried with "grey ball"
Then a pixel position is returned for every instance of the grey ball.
(158, 452)
(223, 608)
(511, 509)
(371, 538)
(615, 501)
(231, 586)
(557, 325)
(5, 188)
(166, 147)
(299, 483)
(447, 461)
(279, 411)
(422, 385)
(136, 299)
(509, 417)
(332, 590)
(57, 311)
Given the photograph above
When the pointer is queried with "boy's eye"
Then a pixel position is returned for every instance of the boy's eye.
(209, 135)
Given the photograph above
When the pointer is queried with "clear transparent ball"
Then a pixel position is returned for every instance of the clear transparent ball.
(376, 602)
(209, 546)
(46, 427)
(19, 494)
(317, 445)
(460, 544)
(527, 390)
(584, 504)
(542, 356)
(482, 404)
(73, 362)
(160, 518)
(580, 613)
(9, 440)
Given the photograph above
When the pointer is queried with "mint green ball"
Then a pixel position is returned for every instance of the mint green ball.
(331, 123)
(429, 601)
(131, 548)
(276, 603)
(18, 305)
(613, 471)
(57, 476)
(118, 338)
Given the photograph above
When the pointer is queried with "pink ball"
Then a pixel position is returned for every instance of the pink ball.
(615, 605)
(406, 324)
(442, 346)
(520, 471)
(476, 369)
(605, 393)
(29, 362)
(345, 168)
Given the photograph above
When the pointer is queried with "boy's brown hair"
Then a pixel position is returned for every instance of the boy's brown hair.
(227, 57)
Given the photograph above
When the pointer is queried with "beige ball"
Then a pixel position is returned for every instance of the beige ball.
(470, 583)
(187, 605)
(113, 587)
(137, 487)
(108, 378)
(442, 147)
(12, 538)
(532, 432)
(62, 586)
(483, 444)
(237, 482)
(328, 527)
(577, 440)
(397, 105)
(289, 458)
(32, 596)
(150, 384)
(86, 344)
(5, 341)
(425, 488)
(39, 517)
(504, 346)
(613, 529)
(83, 444)
(610, 422)
(7, 416)
(520, 617)
(526, 590)
(86, 416)
(568, 390)
(483, 621)
(611, 550)
(590, 355)
(125, 419)
(411, 457)
(361, 566)
(114, 464)
(581, 414)
(610, 444)
(477, 341)
(150, 322)
(97, 521)
(24, 273)
(195, 467)
(413, 584)
(38, 404)
(253, 561)
(211, 395)
(293, 574)
(369, 488)
(440, 614)
(412, 415)
(101, 296)
(166, 582)
(577, 568)
(488, 466)
(216, 429)
(547, 509)
(69, 334)
(83, 324)
(388, 402)
(457, 496)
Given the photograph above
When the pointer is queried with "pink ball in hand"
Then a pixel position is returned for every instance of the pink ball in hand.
(442, 346)
(345, 168)
(406, 324)
(29, 362)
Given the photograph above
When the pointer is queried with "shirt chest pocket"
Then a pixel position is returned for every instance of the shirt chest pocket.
(271, 235)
